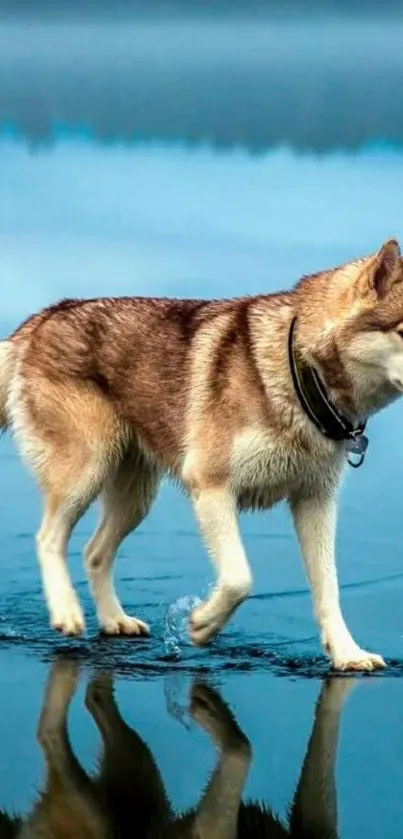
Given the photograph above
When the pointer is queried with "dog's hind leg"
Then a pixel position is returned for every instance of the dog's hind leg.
(128, 778)
(69, 805)
(70, 488)
(58, 521)
(72, 441)
(52, 728)
(126, 500)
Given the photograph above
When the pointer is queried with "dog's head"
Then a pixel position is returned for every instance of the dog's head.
(360, 338)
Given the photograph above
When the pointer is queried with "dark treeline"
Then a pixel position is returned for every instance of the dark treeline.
(283, 7)
(315, 84)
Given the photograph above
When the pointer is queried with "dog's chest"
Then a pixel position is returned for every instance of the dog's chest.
(266, 469)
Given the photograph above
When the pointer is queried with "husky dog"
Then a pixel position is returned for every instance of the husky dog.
(127, 796)
(244, 402)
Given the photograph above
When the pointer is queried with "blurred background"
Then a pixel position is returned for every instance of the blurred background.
(315, 76)
(194, 147)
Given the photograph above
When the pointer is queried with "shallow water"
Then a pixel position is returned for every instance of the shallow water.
(85, 218)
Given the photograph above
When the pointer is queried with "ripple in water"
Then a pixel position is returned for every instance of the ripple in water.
(177, 616)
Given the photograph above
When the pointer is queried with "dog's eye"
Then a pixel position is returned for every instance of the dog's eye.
(400, 333)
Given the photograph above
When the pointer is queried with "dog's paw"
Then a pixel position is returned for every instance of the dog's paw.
(358, 660)
(68, 619)
(123, 624)
(99, 695)
(208, 619)
(335, 691)
(203, 627)
(210, 711)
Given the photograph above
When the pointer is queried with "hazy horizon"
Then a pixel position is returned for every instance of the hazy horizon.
(216, 80)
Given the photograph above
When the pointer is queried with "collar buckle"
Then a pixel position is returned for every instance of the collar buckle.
(356, 447)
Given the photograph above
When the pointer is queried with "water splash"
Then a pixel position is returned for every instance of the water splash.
(176, 690)
(176, 624)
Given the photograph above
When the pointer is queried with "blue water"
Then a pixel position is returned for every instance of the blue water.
(84, 219)
(128, 165)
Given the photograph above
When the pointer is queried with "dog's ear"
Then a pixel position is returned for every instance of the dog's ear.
(386, 268)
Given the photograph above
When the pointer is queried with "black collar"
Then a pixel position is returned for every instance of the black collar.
(320, 409)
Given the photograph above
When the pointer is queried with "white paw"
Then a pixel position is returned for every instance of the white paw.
(204, 625)
(69, 618)
(207, 620)
(122, 624)
(358, 660)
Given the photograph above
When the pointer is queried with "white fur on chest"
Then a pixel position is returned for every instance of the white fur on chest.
(266, 468)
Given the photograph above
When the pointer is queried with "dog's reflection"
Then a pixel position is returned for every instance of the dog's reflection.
(127, 797)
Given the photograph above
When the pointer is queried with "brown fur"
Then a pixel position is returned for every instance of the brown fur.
(119, 370)
(106, 395)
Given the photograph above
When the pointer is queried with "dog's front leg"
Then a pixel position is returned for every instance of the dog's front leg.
(217, 516)
(216, 816)
(314, 810)
(315, 524)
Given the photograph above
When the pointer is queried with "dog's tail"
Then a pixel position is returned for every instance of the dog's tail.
(7, 355)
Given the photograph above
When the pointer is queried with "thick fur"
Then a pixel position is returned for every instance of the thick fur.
(105, 396)
(127, 796)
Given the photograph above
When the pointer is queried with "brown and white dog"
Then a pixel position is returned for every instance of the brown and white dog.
(104, 396)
